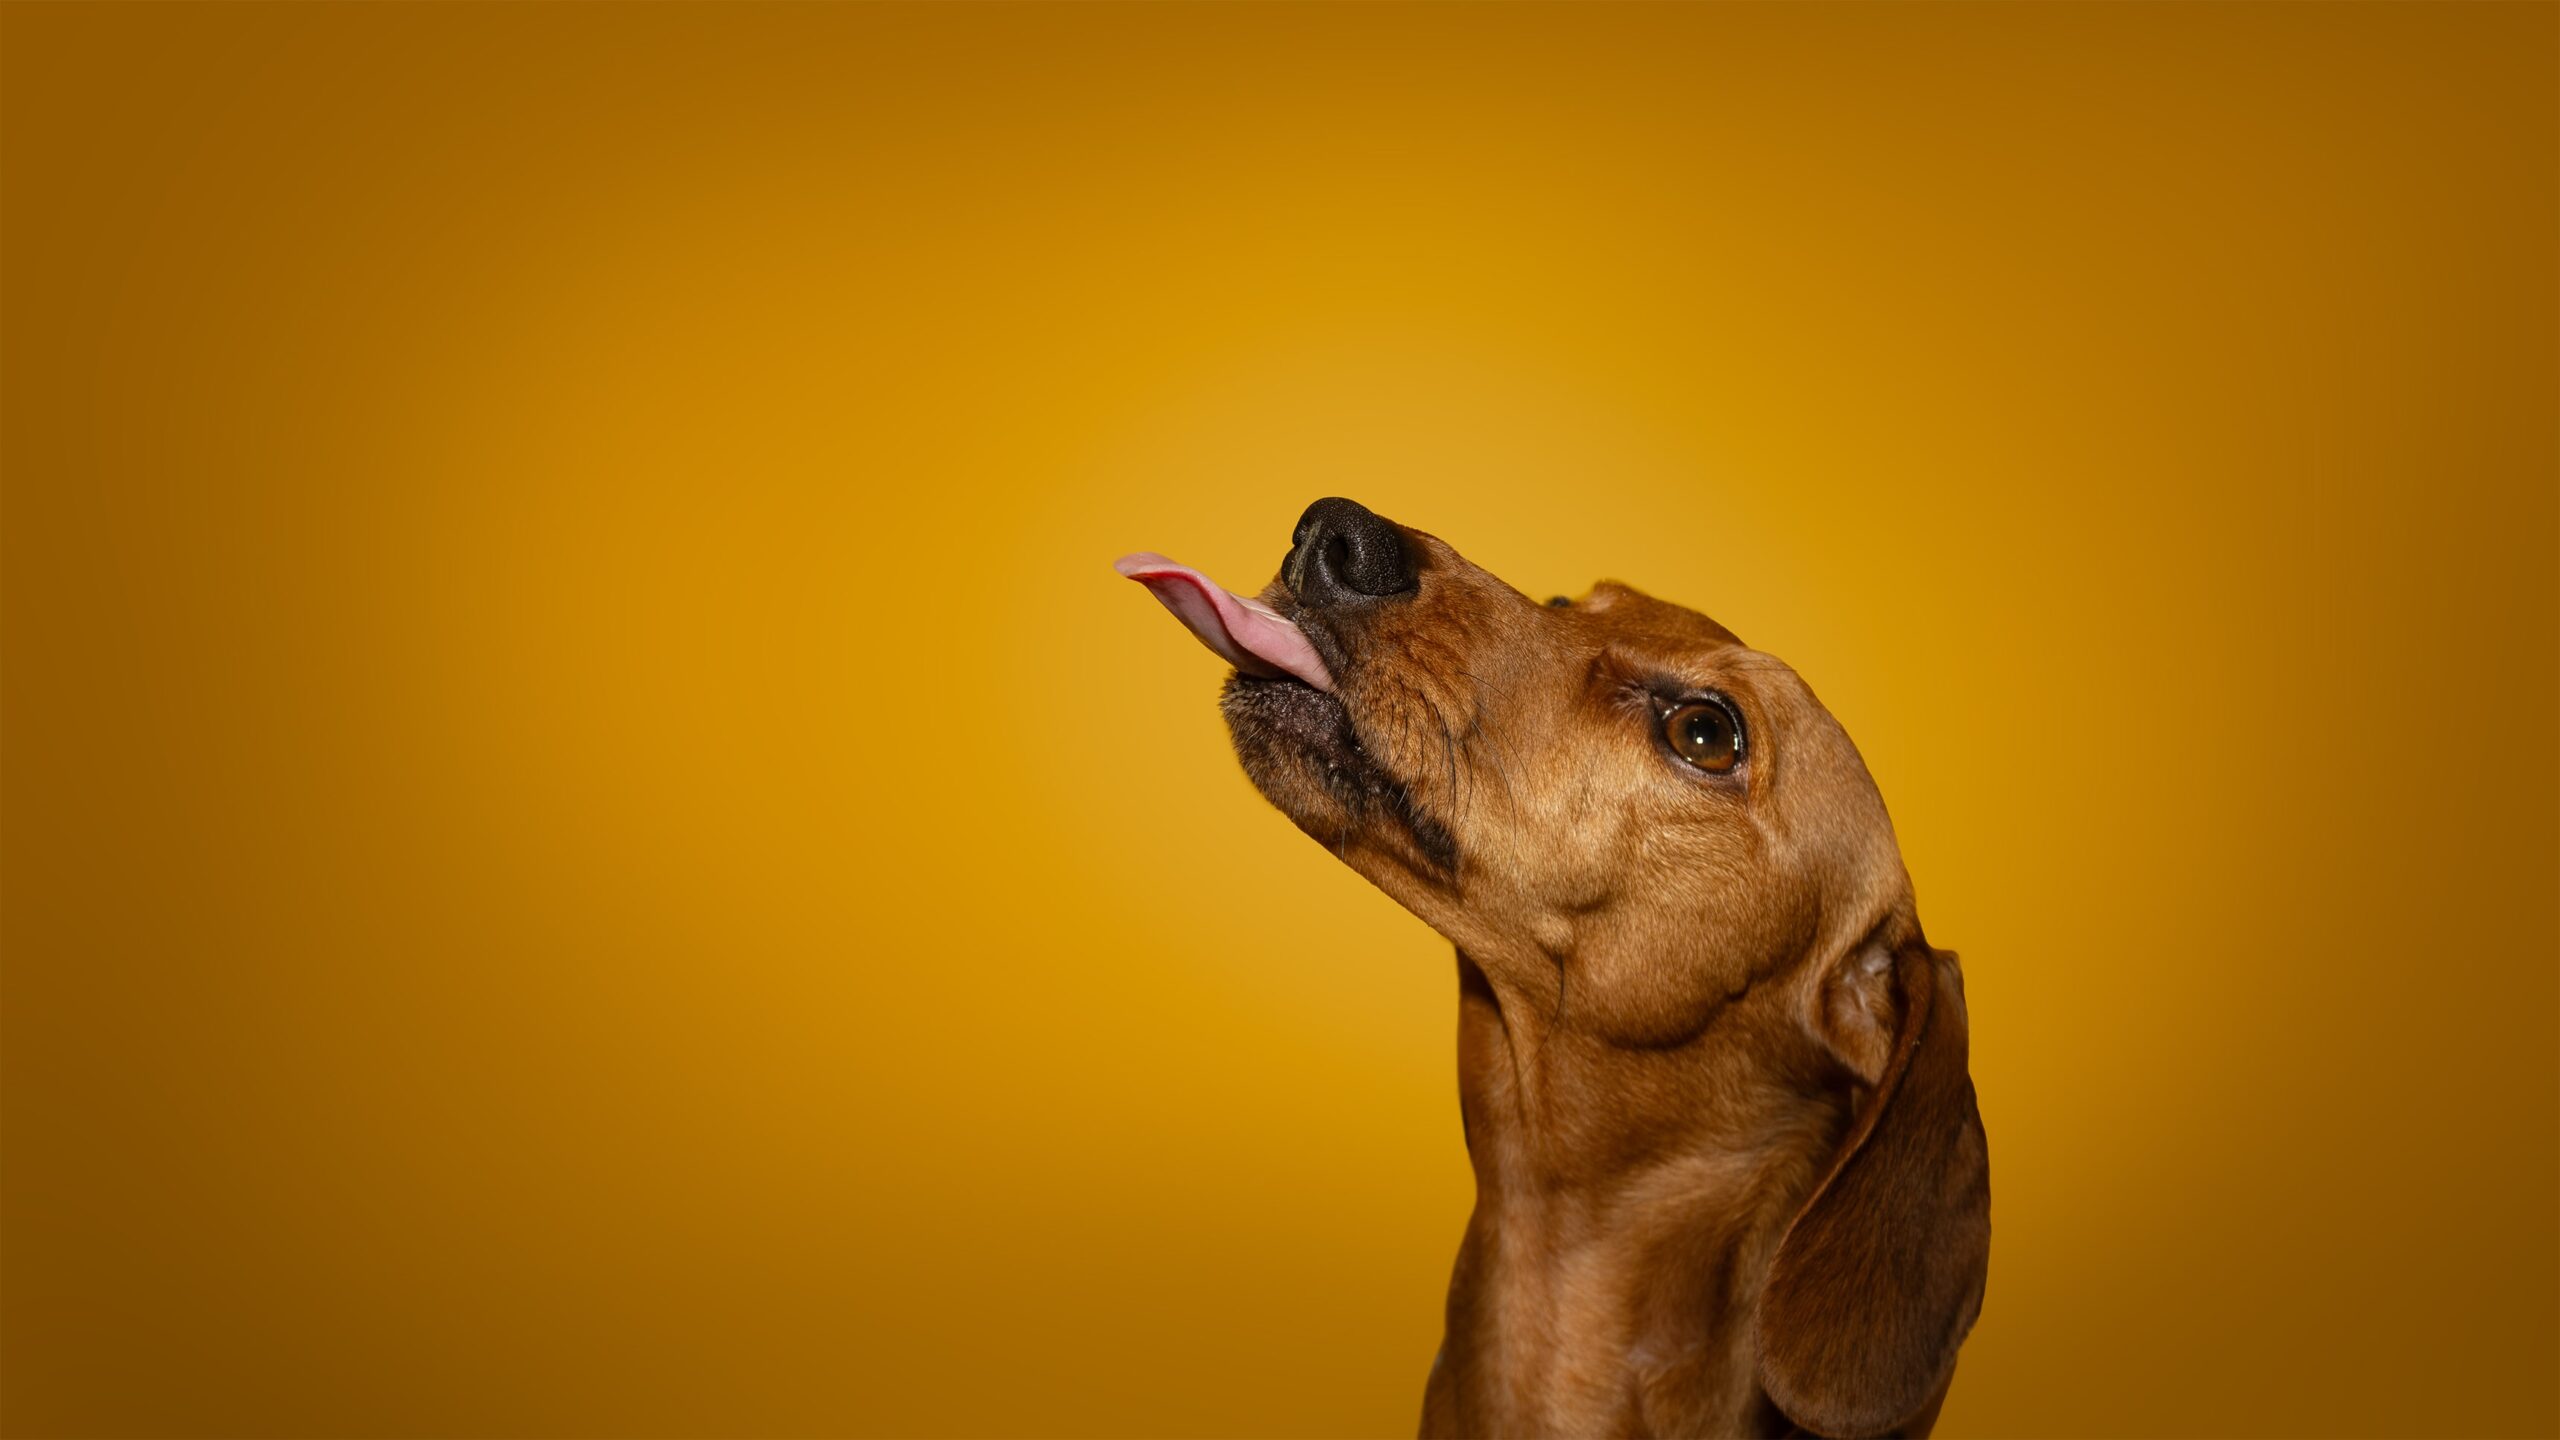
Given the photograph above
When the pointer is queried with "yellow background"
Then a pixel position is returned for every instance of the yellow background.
(592, 845)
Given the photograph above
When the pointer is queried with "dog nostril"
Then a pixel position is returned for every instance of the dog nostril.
(1342, 551)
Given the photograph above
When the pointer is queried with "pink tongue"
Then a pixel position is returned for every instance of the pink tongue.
(1244, 633)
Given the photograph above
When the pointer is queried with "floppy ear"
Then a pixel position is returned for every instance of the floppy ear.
(1881, 1275)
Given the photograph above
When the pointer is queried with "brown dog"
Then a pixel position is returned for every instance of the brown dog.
(1730, 1177)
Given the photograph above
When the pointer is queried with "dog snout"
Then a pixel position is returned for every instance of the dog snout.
(1342, 554)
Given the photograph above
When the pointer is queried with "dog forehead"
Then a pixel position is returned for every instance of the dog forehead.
(1625, 614)
(1634, 631)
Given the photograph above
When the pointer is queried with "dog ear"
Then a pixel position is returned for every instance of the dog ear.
(1881, 1274)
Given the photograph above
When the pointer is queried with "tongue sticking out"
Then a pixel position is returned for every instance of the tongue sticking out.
(1245, 633)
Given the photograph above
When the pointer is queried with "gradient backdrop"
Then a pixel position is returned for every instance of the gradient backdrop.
(592, 845)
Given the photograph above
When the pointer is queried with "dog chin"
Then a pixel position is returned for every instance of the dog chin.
(1298, 748)
(1296, 743)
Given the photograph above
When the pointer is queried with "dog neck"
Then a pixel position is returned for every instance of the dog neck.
(1628, 1203)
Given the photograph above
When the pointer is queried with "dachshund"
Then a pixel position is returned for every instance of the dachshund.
(1730, 1175)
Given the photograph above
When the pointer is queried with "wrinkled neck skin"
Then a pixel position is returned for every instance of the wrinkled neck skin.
(1629, 1200)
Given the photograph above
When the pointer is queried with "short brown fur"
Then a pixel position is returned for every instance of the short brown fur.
(1730, 1175)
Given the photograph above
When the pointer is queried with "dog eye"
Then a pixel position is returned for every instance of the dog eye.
(1705, 734)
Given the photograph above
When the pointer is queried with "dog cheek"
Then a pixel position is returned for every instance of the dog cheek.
(1691, 938)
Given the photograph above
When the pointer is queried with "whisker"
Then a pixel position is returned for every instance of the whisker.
(1510, 797)
(1449, 748)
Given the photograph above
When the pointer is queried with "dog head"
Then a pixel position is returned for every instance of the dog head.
(1614, 779)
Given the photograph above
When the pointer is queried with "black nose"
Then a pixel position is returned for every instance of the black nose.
(1341, 553)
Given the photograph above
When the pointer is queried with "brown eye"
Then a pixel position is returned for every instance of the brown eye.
(1705, 734)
